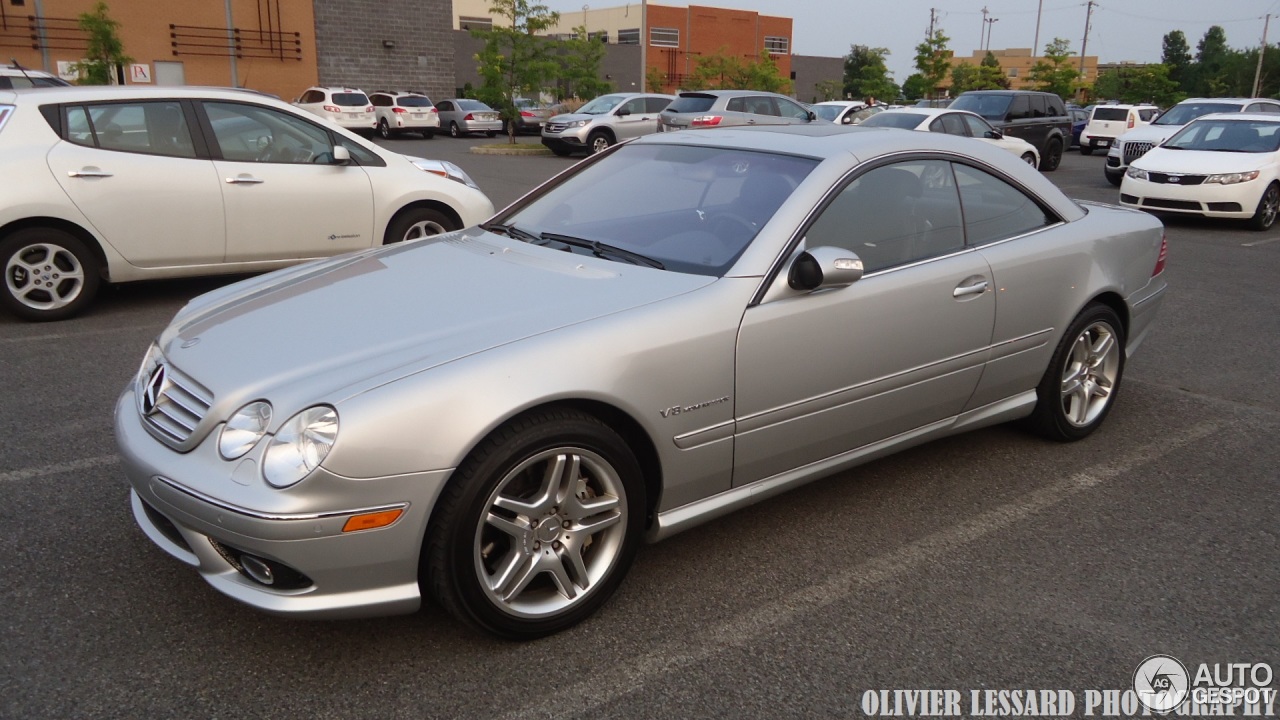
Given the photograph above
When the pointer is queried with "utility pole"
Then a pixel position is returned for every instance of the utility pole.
(1257, 75)
(1085, 42)
(982, 36)
(933, 19)
(1035, 44)
(990, 23)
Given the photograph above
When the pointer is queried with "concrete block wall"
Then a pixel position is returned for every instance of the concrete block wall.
(386, 45)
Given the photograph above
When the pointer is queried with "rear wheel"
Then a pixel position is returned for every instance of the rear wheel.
(491, 133)
(384, 129)
(1052, 156)
(1080, 385)
(418, 223)
(537, 527)
(49, 274)
(1265, 216)
(1086, 150)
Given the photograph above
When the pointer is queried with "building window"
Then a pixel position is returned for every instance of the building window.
(17, 3)
(775, 45)
(475, 23)
(664, 37)
(601, 35)
(629, 37)
(1013, 72)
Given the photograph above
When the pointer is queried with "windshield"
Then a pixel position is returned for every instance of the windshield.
(904, 120)
(991, 107)
(1249, 136)
(692, 209)
(601, 105)
(1183, 113)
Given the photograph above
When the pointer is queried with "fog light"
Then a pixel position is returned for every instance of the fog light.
(369, 521)
(257, 569)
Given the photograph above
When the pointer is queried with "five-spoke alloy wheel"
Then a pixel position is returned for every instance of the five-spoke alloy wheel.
(1079, 388)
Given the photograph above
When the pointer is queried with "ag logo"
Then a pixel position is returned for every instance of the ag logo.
(1161, 683)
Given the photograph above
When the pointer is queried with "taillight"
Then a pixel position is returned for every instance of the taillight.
(1130, 122)
(1164, 255)
(368, 108)
(706, 121)
(433, 110)
(525, 113)
(399, 110)
(332, 108)
(469, 116)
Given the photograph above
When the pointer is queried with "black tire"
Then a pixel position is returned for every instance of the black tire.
(384, 129)
(561, 152)
(425, 222)
(454, 130)
(599, 141)
(463, 540)
(1086, 150)
(1029, 159)
(1051, 158)
(1268, 206)
(428, 134)
(1114, 178)
(490, 133)
(1074, 353)
(49, 274)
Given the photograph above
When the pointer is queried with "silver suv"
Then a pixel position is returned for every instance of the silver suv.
(604, 121)
(723, 108)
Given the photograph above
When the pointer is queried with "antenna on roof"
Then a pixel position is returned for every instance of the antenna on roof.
(18, 65)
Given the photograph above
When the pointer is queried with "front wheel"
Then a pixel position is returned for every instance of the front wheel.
(49, 274)
(1080, 385)
(537, 527)
(1114, 178)
(1029, 158)
(1265, 216)
(454, 130)
(1052, 156)
(418, 223)
(490, 133)
(599, 142)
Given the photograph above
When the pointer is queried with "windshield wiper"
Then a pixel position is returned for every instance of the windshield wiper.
(512, 231)
(602, 250)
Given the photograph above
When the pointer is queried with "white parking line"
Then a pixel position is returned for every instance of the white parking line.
(59, 468)
(588, 696)
(1256, 243)
(152, 327)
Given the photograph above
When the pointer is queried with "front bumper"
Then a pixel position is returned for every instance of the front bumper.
(564, 143)
(1237, 201)
(209, 513)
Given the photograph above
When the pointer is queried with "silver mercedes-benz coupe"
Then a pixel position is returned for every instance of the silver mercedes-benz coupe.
(670, 330)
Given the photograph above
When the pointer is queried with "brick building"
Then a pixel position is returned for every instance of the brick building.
(1017, 63)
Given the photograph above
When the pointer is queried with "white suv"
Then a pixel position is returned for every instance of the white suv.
(345, 107)
(13, 76)
(134, 183)
(398, 113)
(1108, 122)
(1135, 143)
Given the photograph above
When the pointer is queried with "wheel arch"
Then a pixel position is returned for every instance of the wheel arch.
(603, 130)
(436, 205)
(1113, 300)
(80, 233)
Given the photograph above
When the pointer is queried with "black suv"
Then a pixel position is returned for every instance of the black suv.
(1040, 118)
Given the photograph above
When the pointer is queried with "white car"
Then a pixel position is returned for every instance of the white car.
(131, 183)
(1133, 144)
(1222, 166)
(15, 76)
(955, 122)
(398, 113)
(841, 112)
(345, 107)
(1108, 122)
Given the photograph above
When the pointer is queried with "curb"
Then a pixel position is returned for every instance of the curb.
(509, 149)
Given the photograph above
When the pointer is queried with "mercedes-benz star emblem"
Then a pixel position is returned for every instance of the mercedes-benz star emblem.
(151, 393)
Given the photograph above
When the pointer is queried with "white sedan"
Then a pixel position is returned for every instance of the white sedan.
(1225, 165)
(955, 122)
(137, 183)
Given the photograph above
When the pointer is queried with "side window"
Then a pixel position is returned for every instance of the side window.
(762, 106)
(953, 125)
(635, 106)
(656, 104)
(977, 128)
(1147, 114)
(154, 128)
(894, 215)
(1039, 108)
(362, 156)
(78, 130)
(311, 96)
(380, 100)
(445, 106)
(1056, 108)
(250, 133)
(736, 105)
(792, 110)
(936, 126)
(1020, 108)
(994, 209)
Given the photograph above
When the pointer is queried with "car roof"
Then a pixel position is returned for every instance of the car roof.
(842, 103)
(1228, 101)
(12, 71)
(728, 93)
(1005, 92)
(1126, 106)
(84, 93)
(1241, 117)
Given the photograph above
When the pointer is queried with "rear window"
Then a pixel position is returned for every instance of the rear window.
(691, 103)
(906, 121)
(414, 102)
(472, 105)
(350, 99)
(1105, 113)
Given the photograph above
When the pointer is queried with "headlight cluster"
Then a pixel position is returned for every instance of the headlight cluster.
(300, 445)
(1136, 173)
(578, 123)
(1231, 178)
(244, 430)
(444, 169)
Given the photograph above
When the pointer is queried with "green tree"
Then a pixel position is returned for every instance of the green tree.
(103, 51)
(1055, 72)
(1212, 58)
(1139, 84)
(866, 74)
(828, 90)
(514, 61)
(915, 87)
(580, 58)
(1176, 55)
(985, 76)
(654, 80)
(933, 60)
(721, 71)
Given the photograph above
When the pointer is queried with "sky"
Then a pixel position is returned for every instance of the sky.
(1119, 30)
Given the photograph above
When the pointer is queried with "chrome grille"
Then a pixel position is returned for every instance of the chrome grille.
(1134, 150)
(1174, 179)
(556, 127)
(172, 404)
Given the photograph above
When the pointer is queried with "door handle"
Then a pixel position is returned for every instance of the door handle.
(86, 173)
(244, 180)
(975, 289)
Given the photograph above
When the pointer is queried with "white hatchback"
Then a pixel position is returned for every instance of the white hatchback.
(398, 113)
(136, 183)
(1108, 122)
(345, 107)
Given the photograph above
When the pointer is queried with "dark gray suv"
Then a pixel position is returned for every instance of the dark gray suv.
(1040, 118)
(724, 108)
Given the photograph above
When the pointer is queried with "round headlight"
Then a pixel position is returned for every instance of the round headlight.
(300, 445)
(244, 429)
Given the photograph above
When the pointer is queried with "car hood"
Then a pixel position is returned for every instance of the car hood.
(1150, 133)
(1201, 162)
(573, 117)
(320, 331)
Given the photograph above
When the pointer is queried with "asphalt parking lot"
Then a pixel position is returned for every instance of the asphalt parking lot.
(986, 561)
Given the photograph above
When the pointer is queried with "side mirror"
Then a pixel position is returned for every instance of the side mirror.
(993, 134)
(341, 155)
(847, 120)
(824, 267)
(812, 115)
(622, 111)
